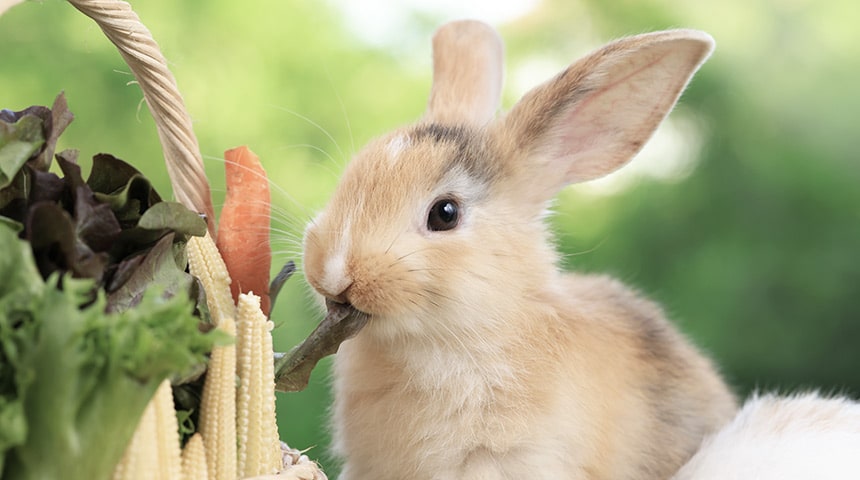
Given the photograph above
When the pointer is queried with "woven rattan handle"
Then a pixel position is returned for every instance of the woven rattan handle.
(181, 152)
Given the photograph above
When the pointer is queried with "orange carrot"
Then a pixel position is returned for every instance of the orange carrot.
(243, 229)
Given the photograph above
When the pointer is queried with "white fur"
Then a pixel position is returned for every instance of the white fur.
(335, 278)
(783, 438)
(396, 146)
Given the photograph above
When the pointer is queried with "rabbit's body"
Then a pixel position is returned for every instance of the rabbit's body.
(481, 360)
(592, 385)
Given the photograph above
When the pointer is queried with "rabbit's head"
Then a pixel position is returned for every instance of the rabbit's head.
(437, 229)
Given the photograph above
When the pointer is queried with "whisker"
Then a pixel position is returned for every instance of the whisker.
(590, 250)
(274, 187)
(393, 241)
(427, 269)
(310, 146)
(342, 109)
(407, 255)
(314, 124)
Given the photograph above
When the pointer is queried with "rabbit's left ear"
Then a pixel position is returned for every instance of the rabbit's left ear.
(467, 74)
(595, 116)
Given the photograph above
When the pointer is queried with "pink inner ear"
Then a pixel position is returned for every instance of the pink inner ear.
(602, 130)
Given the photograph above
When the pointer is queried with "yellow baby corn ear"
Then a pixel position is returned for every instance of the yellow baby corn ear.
(259, 444)
(206, 263)
(218, 407)
(153, 452)
(194, 459)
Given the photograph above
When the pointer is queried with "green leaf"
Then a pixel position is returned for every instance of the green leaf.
(19, 277)
(20, 282)
(116, 183)
(12, 224)
(173, 216)
(75, 380)
(18, 142)
(163, 265)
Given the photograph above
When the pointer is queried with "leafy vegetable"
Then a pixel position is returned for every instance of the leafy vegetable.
(75, 381)
(96, 308)
(111, 228)
(20, 141)
(31, 131)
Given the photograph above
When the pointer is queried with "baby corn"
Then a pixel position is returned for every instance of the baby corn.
(237, 435)
(206, 263)
(259, 444)
(153, 453)
(218, 408)
(194, 459)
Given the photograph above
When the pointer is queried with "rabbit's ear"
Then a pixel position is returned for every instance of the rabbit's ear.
(595, 116)
(467, 74)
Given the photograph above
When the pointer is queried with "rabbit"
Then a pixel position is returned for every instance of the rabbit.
(803, 436)
(481, 359)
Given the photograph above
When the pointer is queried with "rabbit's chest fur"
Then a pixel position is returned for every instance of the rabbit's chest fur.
(439, 415)
(530, 405)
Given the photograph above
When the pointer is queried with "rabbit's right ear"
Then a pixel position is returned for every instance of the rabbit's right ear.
(467, 74)
(596, 115)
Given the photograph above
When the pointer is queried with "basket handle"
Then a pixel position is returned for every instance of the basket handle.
(140, 51)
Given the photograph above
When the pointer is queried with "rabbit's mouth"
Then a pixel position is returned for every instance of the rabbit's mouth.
(343, 321)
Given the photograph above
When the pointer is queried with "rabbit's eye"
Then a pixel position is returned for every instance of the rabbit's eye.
(444, 215)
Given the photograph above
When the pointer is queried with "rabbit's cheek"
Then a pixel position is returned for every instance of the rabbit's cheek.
(380, 286)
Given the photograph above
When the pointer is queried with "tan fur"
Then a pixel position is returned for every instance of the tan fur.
(481, 360)
(466, 87)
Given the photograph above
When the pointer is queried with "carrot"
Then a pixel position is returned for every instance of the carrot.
(243, 229)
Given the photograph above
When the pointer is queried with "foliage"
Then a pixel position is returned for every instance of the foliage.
(73, 379)
(112, 228)
(95, 306)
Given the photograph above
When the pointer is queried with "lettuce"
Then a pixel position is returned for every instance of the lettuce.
(74, 381)
(112, 227)
(96, 308)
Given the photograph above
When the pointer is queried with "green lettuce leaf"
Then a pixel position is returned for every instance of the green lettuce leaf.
(74, 380)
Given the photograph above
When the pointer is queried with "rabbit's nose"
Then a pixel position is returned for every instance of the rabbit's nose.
(342, 297)
(335, 280)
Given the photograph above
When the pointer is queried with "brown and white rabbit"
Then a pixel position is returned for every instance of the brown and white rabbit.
(481, 360)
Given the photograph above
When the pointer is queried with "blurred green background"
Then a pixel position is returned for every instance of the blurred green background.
(742, 216)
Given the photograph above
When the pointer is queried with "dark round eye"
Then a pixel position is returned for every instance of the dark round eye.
(444, 215)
